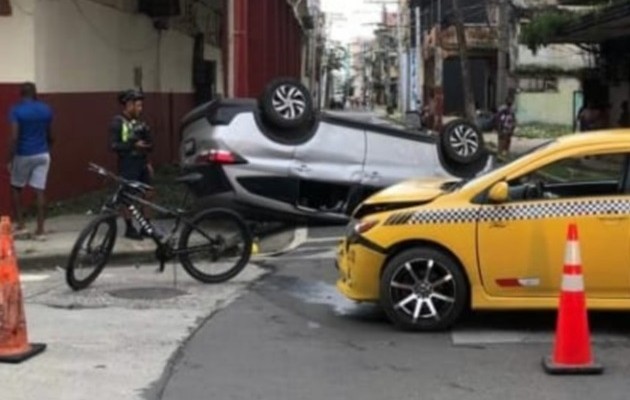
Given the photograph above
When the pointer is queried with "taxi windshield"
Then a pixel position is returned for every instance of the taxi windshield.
(498, 165)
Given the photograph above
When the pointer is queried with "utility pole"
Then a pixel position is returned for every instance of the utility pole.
(469, 101)
(419, 61)
(503, 51)
(438, 91)
(401, 98)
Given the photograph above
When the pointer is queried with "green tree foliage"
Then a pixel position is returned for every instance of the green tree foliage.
(547, 23)
(543, 27)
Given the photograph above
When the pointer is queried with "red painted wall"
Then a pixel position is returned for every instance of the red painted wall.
(268, 44)
(80, 129)
(9, 94)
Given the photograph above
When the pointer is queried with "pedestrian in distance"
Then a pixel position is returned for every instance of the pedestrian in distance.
(29, 154)
(505, 125)
(132, 141)
(624, 117)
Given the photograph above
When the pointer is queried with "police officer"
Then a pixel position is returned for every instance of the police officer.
(131, 139)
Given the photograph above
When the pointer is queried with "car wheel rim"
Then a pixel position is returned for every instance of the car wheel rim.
(422, 290)
(464, 140)
(289, 102)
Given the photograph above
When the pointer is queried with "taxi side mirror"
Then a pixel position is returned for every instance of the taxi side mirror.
(499, 192)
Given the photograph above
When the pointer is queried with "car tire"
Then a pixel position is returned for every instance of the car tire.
(463, 142)
(287, 104)
(402, 291)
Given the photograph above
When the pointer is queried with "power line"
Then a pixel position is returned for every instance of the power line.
(106, 40)
(19, 6)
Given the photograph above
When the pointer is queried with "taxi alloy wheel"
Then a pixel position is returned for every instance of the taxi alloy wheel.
(423, 289)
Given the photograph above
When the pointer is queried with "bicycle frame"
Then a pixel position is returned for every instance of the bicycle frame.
(124, 197)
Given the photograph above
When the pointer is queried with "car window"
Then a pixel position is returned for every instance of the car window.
(608, 167)
(572, 177)
(497, 166)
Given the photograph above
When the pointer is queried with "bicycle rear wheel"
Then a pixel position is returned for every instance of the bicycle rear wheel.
(216, 246)
(91, 252)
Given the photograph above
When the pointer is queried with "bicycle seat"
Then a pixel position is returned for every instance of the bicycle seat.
(189, 178)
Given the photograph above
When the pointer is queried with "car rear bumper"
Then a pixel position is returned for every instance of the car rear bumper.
(214, 180)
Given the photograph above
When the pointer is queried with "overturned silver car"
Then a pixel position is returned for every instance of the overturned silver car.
(278, 158)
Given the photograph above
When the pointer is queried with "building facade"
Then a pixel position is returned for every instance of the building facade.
(544, 85)
(82, 53)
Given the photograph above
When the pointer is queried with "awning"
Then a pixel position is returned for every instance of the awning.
(608, 23)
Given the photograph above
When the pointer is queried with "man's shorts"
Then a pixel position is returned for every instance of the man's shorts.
(31, 170)
(134, 169)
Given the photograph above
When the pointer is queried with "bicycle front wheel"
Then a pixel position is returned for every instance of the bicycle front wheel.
(91, 252)
(216, 246)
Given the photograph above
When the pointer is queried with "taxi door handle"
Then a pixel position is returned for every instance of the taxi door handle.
(613, 218)
(498, 224)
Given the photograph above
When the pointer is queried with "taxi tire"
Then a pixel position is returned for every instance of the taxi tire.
(461, 294)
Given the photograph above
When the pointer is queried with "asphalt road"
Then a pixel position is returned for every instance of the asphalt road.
(293, 337)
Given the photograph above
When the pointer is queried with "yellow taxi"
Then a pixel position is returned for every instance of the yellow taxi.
(428, 249)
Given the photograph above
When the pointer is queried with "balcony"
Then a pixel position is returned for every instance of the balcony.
(478, 37)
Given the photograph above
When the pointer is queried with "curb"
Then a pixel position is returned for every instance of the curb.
(47, 262)
(144, 256)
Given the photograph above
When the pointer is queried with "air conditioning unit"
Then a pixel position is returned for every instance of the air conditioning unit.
(159, 8)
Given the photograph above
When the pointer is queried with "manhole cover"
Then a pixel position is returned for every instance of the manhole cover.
(147, 293)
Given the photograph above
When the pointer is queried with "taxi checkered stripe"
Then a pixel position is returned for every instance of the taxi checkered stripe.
(513, 212)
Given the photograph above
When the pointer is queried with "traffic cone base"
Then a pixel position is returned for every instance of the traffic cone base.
(14, 345)
(33, 350)
(553, 368)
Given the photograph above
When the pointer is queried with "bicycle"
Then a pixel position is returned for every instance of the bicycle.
(215, 243)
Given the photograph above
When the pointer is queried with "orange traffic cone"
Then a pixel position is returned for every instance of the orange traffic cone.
(14, 346)
(6, 243)
(572, 347)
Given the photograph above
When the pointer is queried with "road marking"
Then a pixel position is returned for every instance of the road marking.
(463, 337)
(300, 237)
(33, 277)
(324, 239)
(297, 256)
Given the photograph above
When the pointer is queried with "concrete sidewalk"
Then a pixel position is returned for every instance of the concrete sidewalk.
(519, 145)
(64, 231)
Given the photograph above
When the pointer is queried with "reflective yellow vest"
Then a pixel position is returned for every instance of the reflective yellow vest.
(126, 131)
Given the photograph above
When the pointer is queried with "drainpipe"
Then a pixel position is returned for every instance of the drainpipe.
(239, 80)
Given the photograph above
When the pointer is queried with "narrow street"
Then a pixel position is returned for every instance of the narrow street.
(293, 336)
(461, 144)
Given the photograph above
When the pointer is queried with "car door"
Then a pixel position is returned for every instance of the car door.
(521, 243)
(328, 165)
(393, 157)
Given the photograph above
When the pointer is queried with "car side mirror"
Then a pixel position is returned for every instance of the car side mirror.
(499, 192)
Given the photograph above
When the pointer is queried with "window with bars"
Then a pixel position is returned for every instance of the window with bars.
(538, 84)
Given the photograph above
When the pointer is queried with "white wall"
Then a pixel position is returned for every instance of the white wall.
(16, 41)
(90, 47)
(563, 56)
(548, 107)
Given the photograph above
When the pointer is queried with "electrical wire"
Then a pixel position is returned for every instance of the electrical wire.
(149, 45)
(19, 6)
